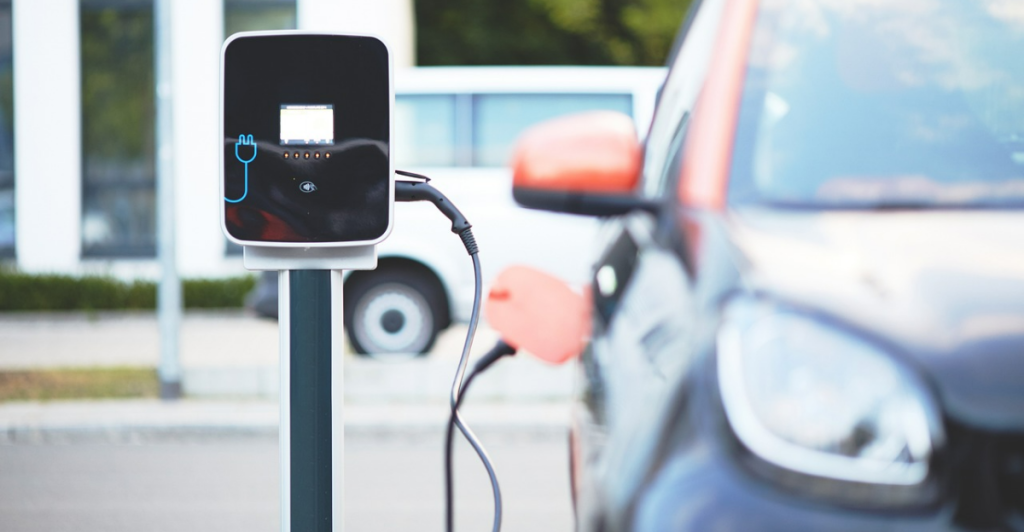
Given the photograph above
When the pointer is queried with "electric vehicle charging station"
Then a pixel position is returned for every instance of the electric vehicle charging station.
(308, 190)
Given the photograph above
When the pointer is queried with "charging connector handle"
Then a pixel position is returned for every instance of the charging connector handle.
(422, 191)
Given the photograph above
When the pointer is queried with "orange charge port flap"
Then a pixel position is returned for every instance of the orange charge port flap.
(539, 313)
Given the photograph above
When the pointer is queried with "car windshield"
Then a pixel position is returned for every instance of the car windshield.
(883, 103)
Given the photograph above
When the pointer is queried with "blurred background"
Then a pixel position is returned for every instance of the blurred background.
(85, 441)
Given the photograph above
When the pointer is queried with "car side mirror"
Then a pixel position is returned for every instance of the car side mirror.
(538, 313)
(587, 163)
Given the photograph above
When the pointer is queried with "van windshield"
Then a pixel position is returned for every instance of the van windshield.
(877, 104)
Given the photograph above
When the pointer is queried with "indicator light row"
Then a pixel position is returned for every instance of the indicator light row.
(305, 155)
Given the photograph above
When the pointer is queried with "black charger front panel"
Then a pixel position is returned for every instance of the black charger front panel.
(319, 192)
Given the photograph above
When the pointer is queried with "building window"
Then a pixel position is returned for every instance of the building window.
(118, 113)
(256, 15)
(6, 132)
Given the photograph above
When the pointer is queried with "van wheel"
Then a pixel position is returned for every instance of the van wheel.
(397, 310)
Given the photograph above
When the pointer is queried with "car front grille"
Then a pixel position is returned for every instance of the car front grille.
(1012, 479)
(987, 477)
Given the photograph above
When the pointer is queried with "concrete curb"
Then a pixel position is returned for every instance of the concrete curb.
(132, 419)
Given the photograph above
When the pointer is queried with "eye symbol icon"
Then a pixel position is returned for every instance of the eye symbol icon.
(307, 186)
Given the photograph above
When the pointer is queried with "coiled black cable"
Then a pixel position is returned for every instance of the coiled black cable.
(499, 350)
(423, 191)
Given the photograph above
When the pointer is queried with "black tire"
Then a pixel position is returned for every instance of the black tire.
(394, 310)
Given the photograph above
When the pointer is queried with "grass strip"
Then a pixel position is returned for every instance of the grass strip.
(78, 383)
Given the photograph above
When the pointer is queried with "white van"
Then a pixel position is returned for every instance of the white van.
(458, 125)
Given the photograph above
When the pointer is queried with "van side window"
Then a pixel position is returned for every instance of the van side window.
(498, 119)
(424, 130)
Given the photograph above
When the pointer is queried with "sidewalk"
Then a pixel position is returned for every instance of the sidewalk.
(78, 339)
(229, 354)
(230, 377)
(34, 421)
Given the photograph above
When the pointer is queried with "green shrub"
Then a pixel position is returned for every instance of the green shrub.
(28, 292)
(217, 293)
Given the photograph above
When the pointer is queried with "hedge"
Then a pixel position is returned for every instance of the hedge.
(28, 292)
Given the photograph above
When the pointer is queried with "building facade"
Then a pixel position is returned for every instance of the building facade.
(77, 125)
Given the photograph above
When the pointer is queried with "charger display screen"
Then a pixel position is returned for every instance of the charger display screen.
(307, 125)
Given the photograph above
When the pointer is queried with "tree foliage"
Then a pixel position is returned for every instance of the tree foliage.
(546, 32)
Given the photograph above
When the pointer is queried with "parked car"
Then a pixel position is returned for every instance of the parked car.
(458, 125)
(809, 313)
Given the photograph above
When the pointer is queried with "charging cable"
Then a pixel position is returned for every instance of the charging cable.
(244, 140)
(423, 191)
(499, 350)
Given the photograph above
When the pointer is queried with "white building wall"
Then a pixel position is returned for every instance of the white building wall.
(48, 136)
(47, 96)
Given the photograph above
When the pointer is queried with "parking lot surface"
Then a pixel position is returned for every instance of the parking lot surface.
(394, 482)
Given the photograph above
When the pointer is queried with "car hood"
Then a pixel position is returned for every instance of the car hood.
(944, 288)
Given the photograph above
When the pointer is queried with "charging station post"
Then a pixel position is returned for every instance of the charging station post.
(312, 420)
(308, 190)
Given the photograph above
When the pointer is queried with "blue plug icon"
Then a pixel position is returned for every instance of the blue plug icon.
(244, 140)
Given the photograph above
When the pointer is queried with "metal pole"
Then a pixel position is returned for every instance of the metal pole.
(338, 400)
(311, 453)
(169, 295)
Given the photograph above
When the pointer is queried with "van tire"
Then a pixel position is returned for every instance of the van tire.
(394, 310)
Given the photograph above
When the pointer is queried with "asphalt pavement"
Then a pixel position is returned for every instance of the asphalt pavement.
(226, 483)
(209, 461)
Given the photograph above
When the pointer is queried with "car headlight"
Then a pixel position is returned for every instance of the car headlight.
(816, 400)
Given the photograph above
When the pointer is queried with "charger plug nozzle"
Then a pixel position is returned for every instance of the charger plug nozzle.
(423, 191)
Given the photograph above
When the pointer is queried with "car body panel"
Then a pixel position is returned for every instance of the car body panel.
(945, 289)
(938, 290)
